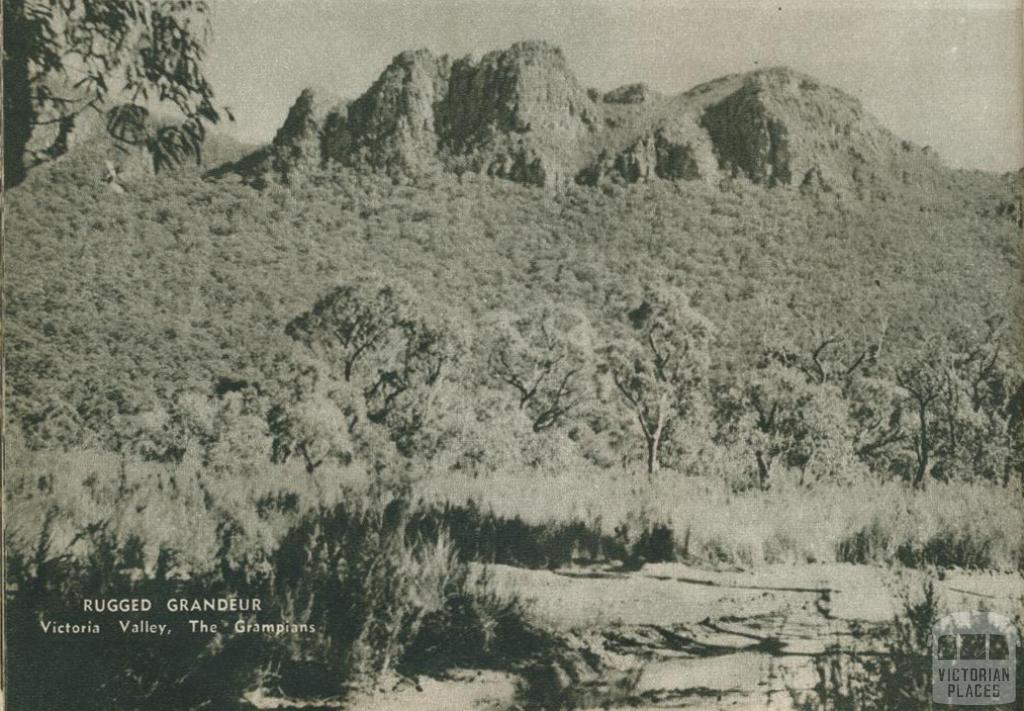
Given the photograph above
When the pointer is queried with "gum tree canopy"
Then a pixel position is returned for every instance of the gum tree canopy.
(661, 365)
(64, 59)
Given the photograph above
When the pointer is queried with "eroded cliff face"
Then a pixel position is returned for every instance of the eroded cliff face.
(661, 154)
(525, 89)
(520, 114)
(395, 125)
(783, 128)
(749, 138)
(515, 114)
(300, 143)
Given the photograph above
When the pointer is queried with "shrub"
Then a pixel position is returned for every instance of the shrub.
(484, 535)
(350, 571)
(370, 594)
(476, 626)
(898, 678)
(867, 544)
(104, 671)
(951, 547)
(645, 539)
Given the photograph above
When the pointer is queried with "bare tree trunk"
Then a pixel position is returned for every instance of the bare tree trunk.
(923, 445)
(311, 467)
(19, 112)
(763, 470)
(653, 466)
(654, 438)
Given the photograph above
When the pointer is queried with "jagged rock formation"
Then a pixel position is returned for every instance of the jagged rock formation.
(300, 142)
(654, 155)
(520, 114)
(629, 94)
(512, 115)
(517, 114)
(395, 124)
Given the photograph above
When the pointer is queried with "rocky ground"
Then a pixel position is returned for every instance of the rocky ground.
(674, 636)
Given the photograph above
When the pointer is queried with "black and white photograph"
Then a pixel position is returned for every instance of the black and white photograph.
(512, 355)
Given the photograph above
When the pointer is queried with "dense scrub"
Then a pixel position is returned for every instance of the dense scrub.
(548, 520)
(360, 596)
(838, 333)
(207, 383)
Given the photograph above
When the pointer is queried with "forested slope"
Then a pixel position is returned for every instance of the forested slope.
(118, 304)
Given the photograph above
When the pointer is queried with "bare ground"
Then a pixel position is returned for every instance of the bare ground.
(674, 636)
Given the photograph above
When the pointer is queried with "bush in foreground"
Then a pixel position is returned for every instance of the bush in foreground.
(364, 597)
(896, 678)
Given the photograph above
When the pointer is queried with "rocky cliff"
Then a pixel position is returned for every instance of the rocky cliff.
(521, 114)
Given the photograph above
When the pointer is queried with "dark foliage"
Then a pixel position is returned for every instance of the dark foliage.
(369, 594)
(71, 61)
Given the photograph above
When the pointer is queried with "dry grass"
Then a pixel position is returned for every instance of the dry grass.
(956, 524)
(366, 596)
(574, 512)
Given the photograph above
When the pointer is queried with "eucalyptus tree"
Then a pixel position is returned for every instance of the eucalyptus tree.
(660, 364)
(544, 357)
(376, 341)
(65, 59)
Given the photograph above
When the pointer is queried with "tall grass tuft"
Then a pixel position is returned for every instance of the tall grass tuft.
(704, 521)
(896, 678)
(375, 587)
(368, 595)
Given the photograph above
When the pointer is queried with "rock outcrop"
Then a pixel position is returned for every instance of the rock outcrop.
(629, 94)
(780, 127)
(515, 114)
(302, 141)
(395, 125)
(526, 89)
(520, 114)
(666, 153)
(749, 138)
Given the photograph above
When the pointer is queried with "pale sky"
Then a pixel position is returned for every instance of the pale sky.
(945, 73)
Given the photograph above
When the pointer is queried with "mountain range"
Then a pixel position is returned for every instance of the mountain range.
(521, 114)
(781, 207)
